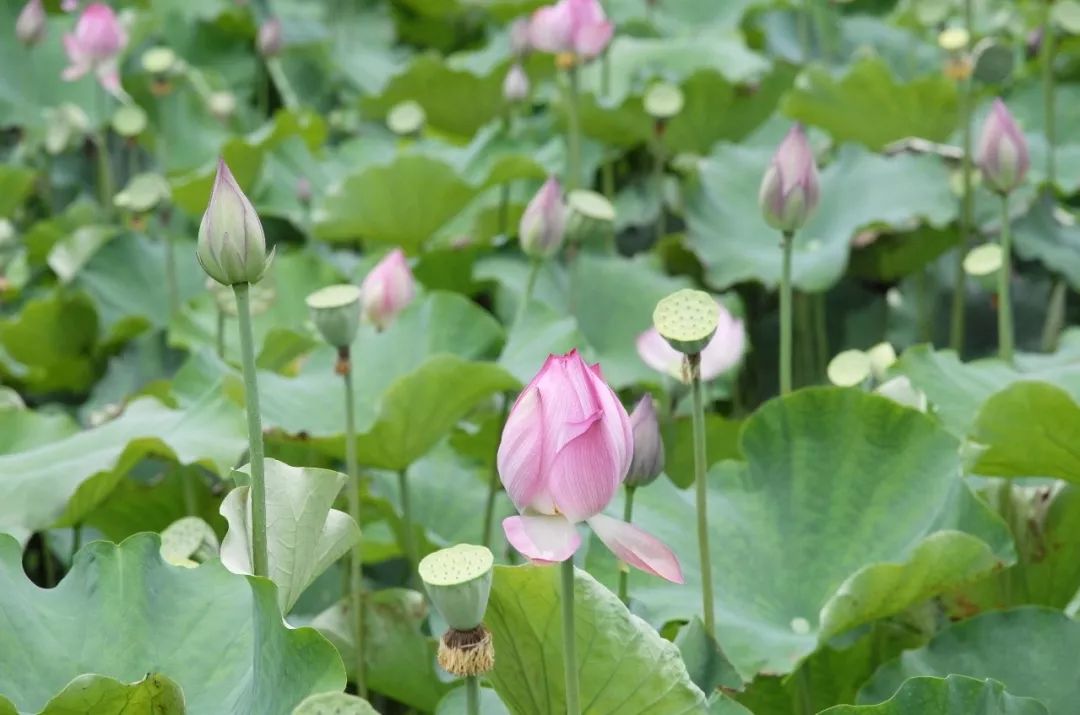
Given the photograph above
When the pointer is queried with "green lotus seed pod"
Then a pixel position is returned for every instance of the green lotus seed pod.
(336, 312)
(663, 101)
(158, 60)
(849, 368)
(406, 118)
(458, 582)
(590, 217)
(687, 319)
(129, 120)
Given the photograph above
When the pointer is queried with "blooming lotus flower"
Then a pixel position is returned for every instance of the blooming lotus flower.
(1002, 154)
(543, 225)
(789, 190)
(723, 352)
(269, 39)
(648, 459)
(95, 46)
(232, 245)
(516, 85)
(565, 449)
(572, 26)
(30, 24)
(388, 289)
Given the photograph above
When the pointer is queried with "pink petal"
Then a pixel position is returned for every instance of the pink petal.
(584, 475)
(74, 72)
(590, 40)
(542, 539)
(637, 548)
(520, 457)
(655, 352)
(725, 350)
(550, 28)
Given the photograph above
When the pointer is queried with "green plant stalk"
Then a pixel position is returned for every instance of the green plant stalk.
(105, 182)
(802, 688)
(624, 570)
(821, 28)
(1046, 59)
(530, 285)
(701, 492)
(785, 314)
(967, 198)
(76, 542)
(504, 209)
(925, 310)
(409, 543)
(356, 561)
(1055, 315)
(821, 332)
(259, 554)
(472, 695)
(48, 567)
(220, 336)
(658, 182)
(1005, 318)
(493, 481)
(172, 288)
(573, 131)
(802, 20)
(281, 81)
(608, 178)
(570, 670)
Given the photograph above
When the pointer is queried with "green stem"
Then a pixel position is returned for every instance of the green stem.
(573, 131)
(1046, 58)
(472, 695)
(530, 285)
(802, 19)
(281, 81)
(802, 687)
(701, 492)
(967, 197)
(48, 566)
(1005, 321)
(658, 184)
(570, 670)
(493, 481)
(821, 332)
(624, 570)
(785, 315)
(406, 516)
(925, 310)
(821, 28)
(504, 209)
(76, 542)
(259, 554)
(356, 561)
(220, 337)
(608, 178)
(1055, 315)
(172, 288)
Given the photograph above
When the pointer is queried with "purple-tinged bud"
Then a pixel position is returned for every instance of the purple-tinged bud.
(789, 191)
(1002, 153)
(543, 225)
(648, 459)
(269, 40)
(303, 190)
(232, 246)
(516, 85)
(519, 37)
(30, 24)
(388, 289)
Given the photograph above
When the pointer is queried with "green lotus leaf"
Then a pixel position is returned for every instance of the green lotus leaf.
(99, 694)
(947, 696)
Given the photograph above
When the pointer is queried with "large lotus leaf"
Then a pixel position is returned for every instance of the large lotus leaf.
(218, 635)
(624, 666)
(1041, 236)
(951, 695)
(729, 235)
(22, 429)
(304, 534)
(101, 695)
(153, 504)
(868, 105)
(721, 442)
(16, 183)
(64, 480)
(455, 703)
(990, 646)
(50, 345)
(849, 508)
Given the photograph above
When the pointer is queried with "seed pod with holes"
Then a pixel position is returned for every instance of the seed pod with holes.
(687, 319)
(458, 583)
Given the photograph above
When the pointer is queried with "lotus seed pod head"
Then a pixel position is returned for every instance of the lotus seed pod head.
(387, 289)
(270, 39)
(232, 246)
(648, 460)
(1002, 152)
(458, 582)
(687, 319)
(335, 311)
(789, 190)
(516, 85)
(519, 37)
(543, 225)
(31, 22)
(221, 104)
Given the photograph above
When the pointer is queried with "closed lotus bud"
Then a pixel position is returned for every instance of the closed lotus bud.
(648, 460)
(1003, 152)
(30, 25)
(388, 289)
(335, 310)
(579, 27)
(232, 246)
(543, 225)
(516, 85)
(95, 46)
(269, 40)
(789, 190)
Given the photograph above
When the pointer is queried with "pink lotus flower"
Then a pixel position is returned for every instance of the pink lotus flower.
(388, 289)
(516, 85)
(565, 450)
(575, 26)
(1003, 152)
(95, 46)
(270, 39)
(543, 225)
(789, 190)
(30, 24)
(721, 354)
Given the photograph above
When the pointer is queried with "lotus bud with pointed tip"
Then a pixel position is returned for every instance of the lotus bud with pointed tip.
(648, 459)
(270, 40)
(1002, 153)
(30, 24)
(543, 225)
(516, 85)
(335, 310)
(388, 289)
(789, 189)
(232, 245)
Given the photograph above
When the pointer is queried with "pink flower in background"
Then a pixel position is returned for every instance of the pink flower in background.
(543, 224)
(30, 24)
(577, 26)
(721, 354)
(1002, 154)
(270, 39)
(388, 289)
(95, 46)
(69, 5)
(516, 85)
(789, 190)
(565, 449)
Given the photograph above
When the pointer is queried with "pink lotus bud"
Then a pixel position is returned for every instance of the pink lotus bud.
(30, 24)
(1002, 154)
(96, 45)
(543, 225)
(232, 245)
(270, 39)
(575, 26)
(648, 459)
(724, 351)
(519, 37)
(565, 449)
(69, 5)
(388, 289)
(789, 190)
(303, 190)
(516, 85)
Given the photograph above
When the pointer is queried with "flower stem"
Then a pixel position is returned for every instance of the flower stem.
(259, 557)
(504, 209)
(356, 562)
(281, 81)
(1046, 57)
(821, 332)
(785, 315)
(530, 285)
(573, 697)
(1005, 321)
(573, 131)
(701, 490)
(658, 183)
(1055, 315)
(472, 695)
(624, 570)
(493, 482)
(171, 283)
(956, 326)
(409, 543)
(105, 183)
(220, 337)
